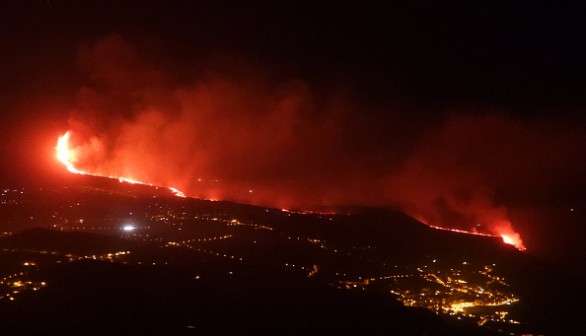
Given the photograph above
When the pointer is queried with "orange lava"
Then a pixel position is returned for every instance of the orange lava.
(508, 236)
(513, 239)
(68, 156)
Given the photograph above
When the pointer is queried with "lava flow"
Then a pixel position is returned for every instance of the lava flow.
(511, 238)
(68, 157)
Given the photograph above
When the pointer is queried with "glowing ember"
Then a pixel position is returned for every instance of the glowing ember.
(68, 157)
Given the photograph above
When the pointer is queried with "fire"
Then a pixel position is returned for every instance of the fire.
(177, 192)
(513, 239)
(508, 235)
(68, 157)
(504, 229)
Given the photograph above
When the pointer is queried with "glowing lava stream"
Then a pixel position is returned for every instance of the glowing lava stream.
(508, 238)
(67, 156)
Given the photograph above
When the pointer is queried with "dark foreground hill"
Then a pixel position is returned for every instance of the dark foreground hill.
(99, 297)
(110, 259)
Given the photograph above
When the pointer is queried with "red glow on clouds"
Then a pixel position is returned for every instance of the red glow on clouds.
(68, 156)
(220, 135)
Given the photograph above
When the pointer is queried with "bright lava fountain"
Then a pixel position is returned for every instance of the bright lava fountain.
(68, 157)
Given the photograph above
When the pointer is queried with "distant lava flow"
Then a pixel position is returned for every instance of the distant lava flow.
(511, 238)
(68, 157)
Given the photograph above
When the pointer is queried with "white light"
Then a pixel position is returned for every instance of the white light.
(128, 228)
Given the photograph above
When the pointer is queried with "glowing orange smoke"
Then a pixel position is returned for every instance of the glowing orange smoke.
(68, 156)
(498, 228)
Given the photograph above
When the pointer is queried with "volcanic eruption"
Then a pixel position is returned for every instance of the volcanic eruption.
(242, 137)
(68, 156)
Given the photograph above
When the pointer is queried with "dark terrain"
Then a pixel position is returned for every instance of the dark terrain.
(190, 266)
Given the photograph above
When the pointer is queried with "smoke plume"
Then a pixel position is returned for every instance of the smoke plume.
(245, 135)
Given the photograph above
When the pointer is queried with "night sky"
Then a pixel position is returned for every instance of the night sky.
(459, 113)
